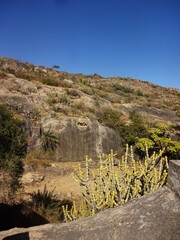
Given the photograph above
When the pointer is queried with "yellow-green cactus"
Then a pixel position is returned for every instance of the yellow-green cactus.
(110, 186)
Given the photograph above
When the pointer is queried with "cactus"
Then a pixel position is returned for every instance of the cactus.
(110, 186)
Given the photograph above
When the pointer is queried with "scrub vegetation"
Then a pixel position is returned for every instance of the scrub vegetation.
(115, 182)
(13, 146)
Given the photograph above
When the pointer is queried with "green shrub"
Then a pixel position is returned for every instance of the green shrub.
(88, 90)
(84, 81)
(136, 129)
(143, 143)
(110, 186)
(110, 117)
(13, 147)
(120, 88)
(51, 82)
(161, 136)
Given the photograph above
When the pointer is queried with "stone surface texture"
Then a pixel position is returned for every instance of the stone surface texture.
(155, 216)
(174, 176)
(79, 137)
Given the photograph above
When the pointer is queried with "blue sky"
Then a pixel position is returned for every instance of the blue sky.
(128, 38)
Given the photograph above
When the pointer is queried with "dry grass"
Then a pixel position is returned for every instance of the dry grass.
(111, 92)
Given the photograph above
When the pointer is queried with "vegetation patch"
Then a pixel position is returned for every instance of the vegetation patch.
(114, 183)
(46, 203)
(13, 147)
(51, 82)
(110, 117)
(120, 88)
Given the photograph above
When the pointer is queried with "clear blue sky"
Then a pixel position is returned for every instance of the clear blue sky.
(128, 38)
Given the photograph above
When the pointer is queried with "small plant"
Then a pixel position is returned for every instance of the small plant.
(46, 202)
(64, 100)
(48, 140)
(73, 93)
(110, 185)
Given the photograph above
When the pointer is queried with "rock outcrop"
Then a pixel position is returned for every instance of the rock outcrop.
(153, 217)
(79, 137)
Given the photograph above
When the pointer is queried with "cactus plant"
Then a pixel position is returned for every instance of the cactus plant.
(110, 186)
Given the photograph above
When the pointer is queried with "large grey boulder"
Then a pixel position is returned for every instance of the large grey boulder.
(79, 137)
(155, 216)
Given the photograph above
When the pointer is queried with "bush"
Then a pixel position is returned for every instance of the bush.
(110, 186)
(142, 143)
(46, 203)
(136, 129)
(88, 90)
(119, 88)
(161, 135)
(13, 147)
(51, 82)
(110, 117)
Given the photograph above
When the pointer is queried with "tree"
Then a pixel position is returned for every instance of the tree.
(55, 66)
(13, 146)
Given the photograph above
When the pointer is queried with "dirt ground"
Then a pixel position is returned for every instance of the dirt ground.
(57, 177)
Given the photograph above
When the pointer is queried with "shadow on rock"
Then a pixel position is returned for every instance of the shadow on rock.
(19, 236)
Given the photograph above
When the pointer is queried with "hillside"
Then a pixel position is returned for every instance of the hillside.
(86, 110)
(30, 80)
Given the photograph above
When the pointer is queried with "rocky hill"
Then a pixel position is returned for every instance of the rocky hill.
(82, 110)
